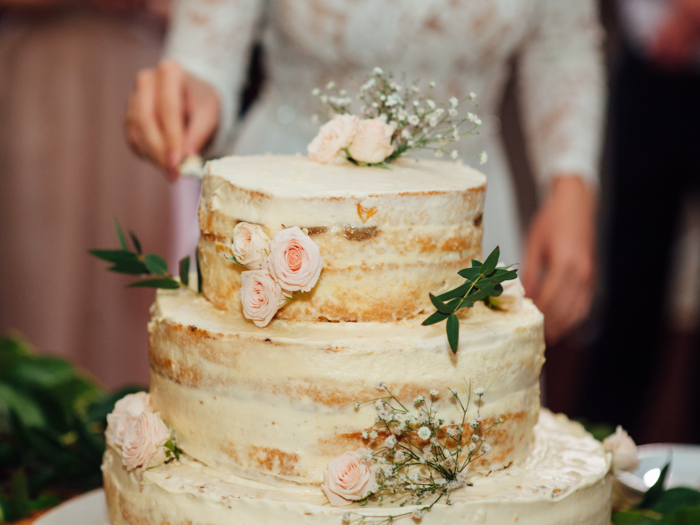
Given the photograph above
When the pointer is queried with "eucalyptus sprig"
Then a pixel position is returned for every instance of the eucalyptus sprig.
(420, 458)
(150, 265)
(482, 281)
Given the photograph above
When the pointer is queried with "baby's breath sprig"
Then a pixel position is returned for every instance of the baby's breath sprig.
(482, 281)
(419, 458)
(418, 121)
(150, 265)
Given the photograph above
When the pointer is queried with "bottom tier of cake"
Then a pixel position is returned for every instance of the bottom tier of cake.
(565, 480)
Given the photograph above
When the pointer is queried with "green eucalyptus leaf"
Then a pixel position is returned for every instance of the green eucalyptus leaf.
(440, 306)
(185, 271)
(164, 284)
(497, 290)
(475, 263)
(457, 292)
(11, 350)
(130, 268)
(120, 235)
(491, 262)
(470, 273)
(453, 332)
(199, 272)
(42, 372)
(653, 495)
(156, 264)
(435, 318)
(466, 304)
(502, 274)
(115, 256)
(135, 241)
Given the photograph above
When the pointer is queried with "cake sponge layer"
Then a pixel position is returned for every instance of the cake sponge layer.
(276, 404)
(388, 237)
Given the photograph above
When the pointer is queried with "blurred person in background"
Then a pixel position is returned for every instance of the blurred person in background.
(648, 382)
(189, 103)
(66, 69)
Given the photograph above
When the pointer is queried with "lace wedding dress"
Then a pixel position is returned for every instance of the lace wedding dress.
(463, 45)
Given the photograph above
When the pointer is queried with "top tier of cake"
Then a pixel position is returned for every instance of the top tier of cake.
(388, 237)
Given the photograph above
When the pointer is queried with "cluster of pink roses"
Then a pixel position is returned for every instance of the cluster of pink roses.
(366, 140)
(137, 432)
(290, 262)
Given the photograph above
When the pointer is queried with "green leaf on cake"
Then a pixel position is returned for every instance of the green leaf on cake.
(120, 235)
(156, 264)
(163, 283)
(453, 332)
(185, 271)
(135, 241)
(115, 256)
(130, 268)
(653, 495)
(482, 281)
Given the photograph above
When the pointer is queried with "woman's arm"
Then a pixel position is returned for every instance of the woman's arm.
(562, 99)
(191, 98)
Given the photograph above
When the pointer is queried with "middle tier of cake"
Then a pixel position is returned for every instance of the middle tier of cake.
(277, 404)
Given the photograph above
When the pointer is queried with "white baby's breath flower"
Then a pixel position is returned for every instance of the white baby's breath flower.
(405, 134)
(393, 100)
(424, 432)
(390, 442)
(378, 71)
(413, 120)
(434, 393)
(452, 112)
(479, 391)
(345, 518)
(342, 92)
(430, 103)
(454, 154)
(483, 158)
(330, 85)
(454, 102)
(478, 417)
(433, 121)
(417, 514)
(381, 385)
(365, 435)
(472, 447)
(472, 95)
(432, 84)
(416, 103)
(323, 98)
(418, 400)
(369, 84)
(455, 135)
(485, 447)
(315, 92)
(420, 111)
(373, 434)
(415, 89)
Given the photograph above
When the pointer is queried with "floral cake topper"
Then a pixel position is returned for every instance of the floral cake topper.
(290, 262)
(395, 118)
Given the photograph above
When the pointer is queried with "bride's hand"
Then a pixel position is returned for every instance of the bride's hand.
(171, 114)
(559, 270)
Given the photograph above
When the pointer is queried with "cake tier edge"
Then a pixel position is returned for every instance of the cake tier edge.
(564, 481)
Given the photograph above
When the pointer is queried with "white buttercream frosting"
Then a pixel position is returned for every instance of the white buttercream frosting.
(564, 480)
(277, 403)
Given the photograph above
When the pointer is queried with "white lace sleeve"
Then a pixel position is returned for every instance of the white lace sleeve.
(561, 82)
(212, 40)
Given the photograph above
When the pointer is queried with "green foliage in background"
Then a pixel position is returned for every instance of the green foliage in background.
(660, 506)
(52, 421)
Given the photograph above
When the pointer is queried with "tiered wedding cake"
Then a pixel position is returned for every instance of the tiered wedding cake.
(260, 412)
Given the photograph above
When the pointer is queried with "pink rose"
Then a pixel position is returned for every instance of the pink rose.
(348, 479)
(261, 296)
(295, 260)
(250, 245)
(372, 142)
(333, 137)
(143, 440)
(624, 451)
(512, 297)
(126, 409)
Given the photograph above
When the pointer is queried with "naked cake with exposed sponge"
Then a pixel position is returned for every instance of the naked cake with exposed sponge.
(258, 413)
